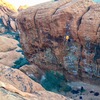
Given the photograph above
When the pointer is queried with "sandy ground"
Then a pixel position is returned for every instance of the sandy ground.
(85, 95)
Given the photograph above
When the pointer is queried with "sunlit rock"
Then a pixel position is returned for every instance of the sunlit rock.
(12, 24)
(8, 53)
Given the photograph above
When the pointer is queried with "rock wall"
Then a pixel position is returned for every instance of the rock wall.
(63, 36)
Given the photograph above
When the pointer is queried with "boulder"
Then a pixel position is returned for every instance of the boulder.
(63, 36)
(12, 24)
(7, 44)
(8, 51)
(32, 71)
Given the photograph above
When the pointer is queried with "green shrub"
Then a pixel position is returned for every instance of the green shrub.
(55, 81)
(20, 62)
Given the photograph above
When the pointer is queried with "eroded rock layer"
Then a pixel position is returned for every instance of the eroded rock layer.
(63, 36)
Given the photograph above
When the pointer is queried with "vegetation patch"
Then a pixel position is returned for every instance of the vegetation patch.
(56, 82)
(20, 62)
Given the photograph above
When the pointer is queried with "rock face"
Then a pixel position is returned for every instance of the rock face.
(63, 35)
(15, 85)
(89, 35)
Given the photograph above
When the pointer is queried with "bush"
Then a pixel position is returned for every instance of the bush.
(20, 62)
(55, 81)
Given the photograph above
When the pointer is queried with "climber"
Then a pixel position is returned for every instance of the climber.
(67, 38)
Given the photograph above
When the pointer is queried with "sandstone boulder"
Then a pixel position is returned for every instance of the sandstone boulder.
(7, 44)
(12, 24)
(8, 51)
(54, 37)
(32, 71)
